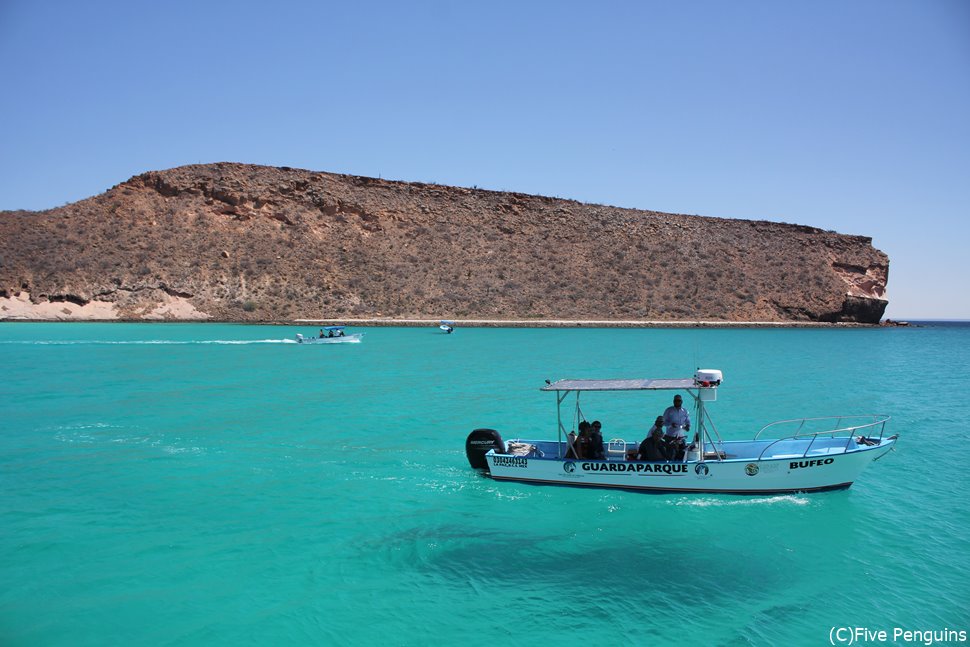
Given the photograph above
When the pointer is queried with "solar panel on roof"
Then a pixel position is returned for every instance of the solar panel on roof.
(649, 384)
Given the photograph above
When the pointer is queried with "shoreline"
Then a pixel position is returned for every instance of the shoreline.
(19, 307)
(575, 323)
(467, 323)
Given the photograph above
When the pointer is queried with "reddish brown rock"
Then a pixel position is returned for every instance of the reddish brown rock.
(246, 243)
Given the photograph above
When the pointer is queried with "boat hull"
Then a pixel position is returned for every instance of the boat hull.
(345, 339)
(810, 473)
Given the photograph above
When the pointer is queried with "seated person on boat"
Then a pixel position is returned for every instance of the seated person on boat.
(653, 447)
(595, 446)
(582, 442)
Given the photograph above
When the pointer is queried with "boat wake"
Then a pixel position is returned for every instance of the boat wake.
(105, 434)
(148, 342)
(790, 499)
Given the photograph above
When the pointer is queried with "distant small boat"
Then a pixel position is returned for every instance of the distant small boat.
(330, 335)
(447, 326)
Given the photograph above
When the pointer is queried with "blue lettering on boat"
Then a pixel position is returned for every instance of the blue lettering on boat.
(511, 461)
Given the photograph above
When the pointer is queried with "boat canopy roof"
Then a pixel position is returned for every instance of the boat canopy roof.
(648, 384)
(334, 327)
(445, 322)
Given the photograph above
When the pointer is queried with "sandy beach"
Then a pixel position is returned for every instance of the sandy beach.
(20, 308)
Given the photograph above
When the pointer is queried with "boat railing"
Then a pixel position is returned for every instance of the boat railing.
(717, 445)
(616, 450)
(862, 425)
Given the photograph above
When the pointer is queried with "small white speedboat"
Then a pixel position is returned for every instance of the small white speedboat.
(330, 335)
(807, 455)
(447, 326)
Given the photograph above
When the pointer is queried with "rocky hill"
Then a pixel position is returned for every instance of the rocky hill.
(238, 242)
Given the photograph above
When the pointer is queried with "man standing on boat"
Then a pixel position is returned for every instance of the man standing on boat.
(677, 422)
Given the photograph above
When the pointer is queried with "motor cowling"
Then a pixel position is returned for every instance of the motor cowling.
(478, 443)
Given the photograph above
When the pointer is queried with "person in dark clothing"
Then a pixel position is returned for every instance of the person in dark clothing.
(582, 443)
(653, 447)
(596, 441)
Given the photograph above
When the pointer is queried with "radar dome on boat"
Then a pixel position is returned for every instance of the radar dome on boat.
(708, 377)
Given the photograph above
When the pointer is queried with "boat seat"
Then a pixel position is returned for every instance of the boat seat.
(520, 449)
(616, 450)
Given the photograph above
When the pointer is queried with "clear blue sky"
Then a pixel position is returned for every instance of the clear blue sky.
(852, 116)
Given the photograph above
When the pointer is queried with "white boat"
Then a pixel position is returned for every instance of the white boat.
(805, 455)
(330, 335)
(447, 326)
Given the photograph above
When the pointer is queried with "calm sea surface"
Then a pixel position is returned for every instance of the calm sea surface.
(187, 484)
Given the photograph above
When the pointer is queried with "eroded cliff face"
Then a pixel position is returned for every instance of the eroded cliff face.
(238, 242)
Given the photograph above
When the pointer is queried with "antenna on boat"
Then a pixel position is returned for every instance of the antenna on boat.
(696, 363)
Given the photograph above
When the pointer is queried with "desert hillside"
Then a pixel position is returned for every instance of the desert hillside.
(236, 242)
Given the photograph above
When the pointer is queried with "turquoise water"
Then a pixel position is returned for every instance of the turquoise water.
(177, 484)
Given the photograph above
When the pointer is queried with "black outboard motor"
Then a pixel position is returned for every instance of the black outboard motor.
(478, 443)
